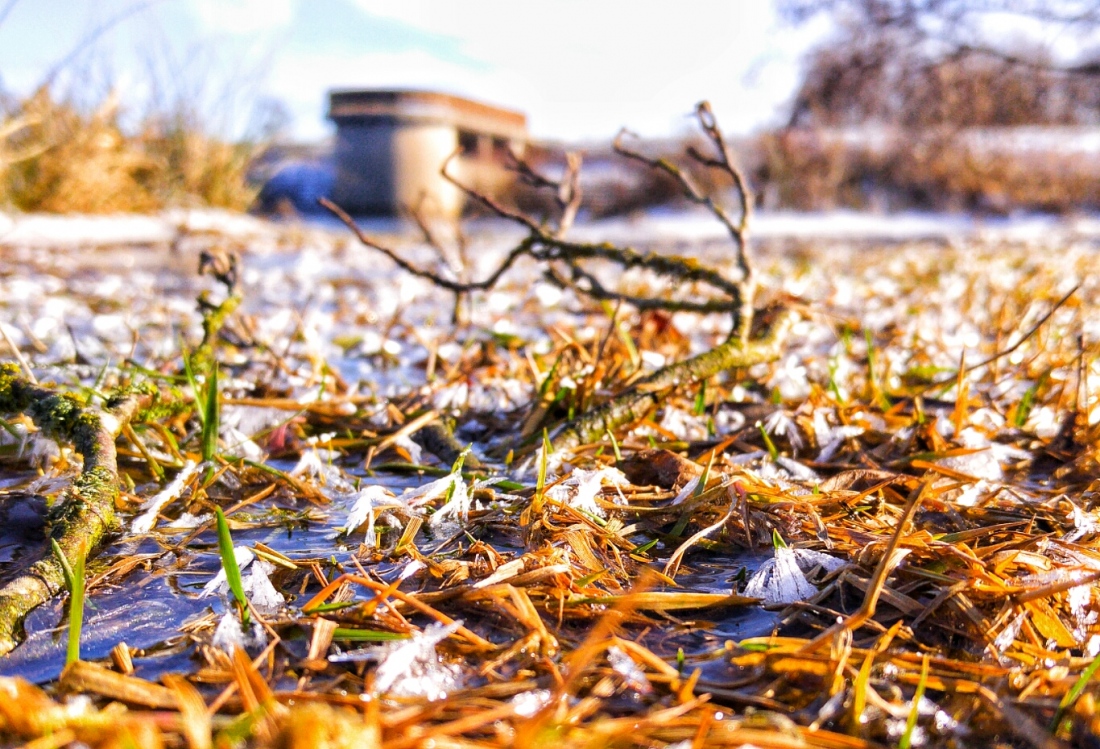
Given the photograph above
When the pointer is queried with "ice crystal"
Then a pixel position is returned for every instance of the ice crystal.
(831, 438)
(684, 424)
(362, 511)
(971, 495)
(412, 668)
(782, 424)
(312, 465)
(896, 728)
(790, 379)
(257, 586)
(230, 634)
(261, 593)
(1008, 635)
(240, 444)
(796, 470)
(1079, 601)
(187, 520)
(457, 508)
(982, 464)
(582, 487)
(781, 580)
(244, 557)
(411, 569)
(1084, 524)
(527, 704)
(452, 396)
(414, 450)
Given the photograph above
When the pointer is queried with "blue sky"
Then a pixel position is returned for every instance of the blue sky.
(580, 69)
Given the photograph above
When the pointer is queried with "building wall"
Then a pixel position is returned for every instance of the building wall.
(386, 167)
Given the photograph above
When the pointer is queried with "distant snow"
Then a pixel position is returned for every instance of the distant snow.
(657, 225)
(53, 230)
(664, 225)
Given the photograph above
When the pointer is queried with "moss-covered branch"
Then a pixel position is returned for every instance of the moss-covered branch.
(85, 511)
(647, 394)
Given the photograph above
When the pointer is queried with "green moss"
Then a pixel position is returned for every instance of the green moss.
(96, 483)
(119, 395)
(84, 512)
(163, 408)
(57, 415)
(85, 433)
(94, 491)
(9, 378)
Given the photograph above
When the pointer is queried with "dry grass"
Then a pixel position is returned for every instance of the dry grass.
(570, 621)
(57, 158)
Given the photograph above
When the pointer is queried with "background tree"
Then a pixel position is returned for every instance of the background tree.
(964, 63)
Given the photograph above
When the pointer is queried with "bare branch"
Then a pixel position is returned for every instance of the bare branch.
(567, 191)
(738, 231)
(524, 248)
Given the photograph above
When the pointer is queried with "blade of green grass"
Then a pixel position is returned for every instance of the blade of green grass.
(906, 740)
(211, 412)
(544, 386)
(615, 446)
(700, 406)
(777, 540)
(74, 581)
(704, 479)
(366, 635)
(229, 564)
(544, 458)
(196, 391)
(1027, 402)
(1074, 692)
(773, 451)
(456, 470)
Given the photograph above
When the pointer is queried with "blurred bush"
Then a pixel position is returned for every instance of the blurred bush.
(57, 157)
(991, 170)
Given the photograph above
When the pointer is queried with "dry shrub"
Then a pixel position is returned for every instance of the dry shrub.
(195, 169)
(944, 169)
(945, 172)
(801, 171)
(75, 162)
(56, 158)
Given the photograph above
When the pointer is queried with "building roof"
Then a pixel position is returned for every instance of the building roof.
(356, 105)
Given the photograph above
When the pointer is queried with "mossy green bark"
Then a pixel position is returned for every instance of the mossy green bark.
(85, 512)
(648, 393)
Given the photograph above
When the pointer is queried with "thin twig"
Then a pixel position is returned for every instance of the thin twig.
(1001, 354)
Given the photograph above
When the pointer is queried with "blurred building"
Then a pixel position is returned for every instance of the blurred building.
(390, 146)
